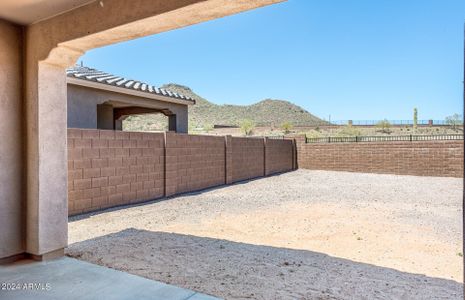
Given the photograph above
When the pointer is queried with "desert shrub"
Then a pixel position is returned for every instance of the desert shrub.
(415, 118)
(454, 121)
(207, 127)
(247, 127)
(384, 126)
(191, 127)
(313, 134)
(287, 127)
(349, 131)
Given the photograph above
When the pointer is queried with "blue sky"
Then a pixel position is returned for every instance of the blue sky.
(351, 59)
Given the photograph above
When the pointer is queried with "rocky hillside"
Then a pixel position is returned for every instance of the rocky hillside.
(267, 112)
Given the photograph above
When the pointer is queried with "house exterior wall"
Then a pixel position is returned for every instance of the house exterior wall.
(82, 107)
(109, 168)
(105, 117)
(83, 101)
(420, 158)
(11, 145)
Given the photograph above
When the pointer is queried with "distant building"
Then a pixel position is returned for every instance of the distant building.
(102, 101)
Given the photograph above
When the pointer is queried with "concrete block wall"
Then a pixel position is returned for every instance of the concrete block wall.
(248, 158)
(110, 168)
(420, 158)
(194, 162)
(228, 159)
(277, 156)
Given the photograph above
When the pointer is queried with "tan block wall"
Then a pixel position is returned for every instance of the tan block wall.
(194, 162)
(422, 158)
(108, 168)
(248, 158)
(279, 156)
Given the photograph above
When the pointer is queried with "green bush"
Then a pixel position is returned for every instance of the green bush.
(207, 127)
(454, 121)
(247, 127)
(384, 126)
(349, 130)
(287, 127)
(313, 134)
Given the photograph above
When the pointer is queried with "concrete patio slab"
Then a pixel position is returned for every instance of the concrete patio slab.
(68, 278)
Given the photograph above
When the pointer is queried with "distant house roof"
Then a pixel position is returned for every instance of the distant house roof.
(98, 77)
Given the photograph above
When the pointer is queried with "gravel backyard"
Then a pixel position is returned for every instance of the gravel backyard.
(300, 235)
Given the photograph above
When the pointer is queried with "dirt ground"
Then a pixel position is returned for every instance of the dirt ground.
(300, 235)
(325, 131)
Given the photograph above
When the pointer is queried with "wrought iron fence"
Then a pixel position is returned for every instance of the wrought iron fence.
(272, 137)
(384, 138)
(392, 122)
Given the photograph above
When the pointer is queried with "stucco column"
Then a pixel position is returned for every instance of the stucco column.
(182, 120)
(172, 125)
(47, 207)
(118, 125)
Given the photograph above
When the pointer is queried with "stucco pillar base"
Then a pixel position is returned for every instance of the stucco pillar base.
(49, 255)
(43, 257)
(12, 259)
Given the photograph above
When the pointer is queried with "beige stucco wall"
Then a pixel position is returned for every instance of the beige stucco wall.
(104, 117)
(83, 101)
(11, 165)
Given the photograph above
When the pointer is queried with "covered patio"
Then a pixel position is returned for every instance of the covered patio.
(99, 100)
(39, 40)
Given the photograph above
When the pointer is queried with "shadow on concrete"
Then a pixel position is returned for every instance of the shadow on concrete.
(72, 279)
(148, 202)
(235, 270)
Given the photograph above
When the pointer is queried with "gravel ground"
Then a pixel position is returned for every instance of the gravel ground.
(300, 235)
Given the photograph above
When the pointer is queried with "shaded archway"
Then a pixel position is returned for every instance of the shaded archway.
(121, 113)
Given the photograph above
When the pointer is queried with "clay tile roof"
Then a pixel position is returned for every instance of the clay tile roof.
(89, 74)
